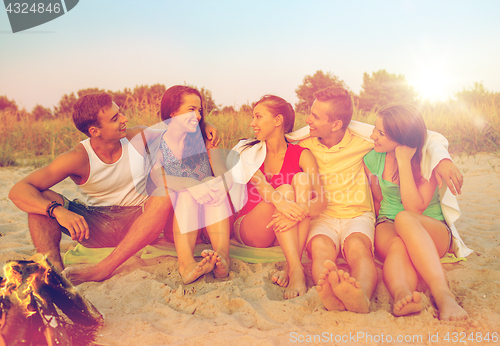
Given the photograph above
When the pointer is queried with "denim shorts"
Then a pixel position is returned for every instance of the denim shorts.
(107, 225)
(382, 219)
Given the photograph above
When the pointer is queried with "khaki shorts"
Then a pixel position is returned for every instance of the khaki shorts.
(339, 229)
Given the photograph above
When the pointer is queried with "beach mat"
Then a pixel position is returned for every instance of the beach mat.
(83, 255)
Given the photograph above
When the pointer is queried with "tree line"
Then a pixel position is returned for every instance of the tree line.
(378, 89)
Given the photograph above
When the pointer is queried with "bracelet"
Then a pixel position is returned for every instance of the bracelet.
(50, 209)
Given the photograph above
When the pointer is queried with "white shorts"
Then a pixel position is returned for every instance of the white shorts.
(339, 229)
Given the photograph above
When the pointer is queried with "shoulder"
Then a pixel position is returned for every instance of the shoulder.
(295, 149)
(372, 160)
(73, 163)
(134, 131)
(307, 143)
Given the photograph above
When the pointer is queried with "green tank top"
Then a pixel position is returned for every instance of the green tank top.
(391, 203)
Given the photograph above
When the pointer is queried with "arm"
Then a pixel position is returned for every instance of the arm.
(27, 193)
(449, 173)
(212, 134)
(441, 164)
(375, 187)
(289, 209)
(415, 198)
(315, 205)
(318, 202)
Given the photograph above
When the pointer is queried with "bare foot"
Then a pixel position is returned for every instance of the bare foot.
(408, 304)
(84, 273)
(280, 278)
(449, 310)
(349, 291)
(221, 269)
(324, 289)
(192, 271)
(297, 283)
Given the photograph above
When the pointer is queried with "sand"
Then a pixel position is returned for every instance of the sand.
(145, 303)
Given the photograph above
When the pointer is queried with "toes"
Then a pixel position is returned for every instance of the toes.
(330, 266)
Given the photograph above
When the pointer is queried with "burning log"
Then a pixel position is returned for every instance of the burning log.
(28, 300)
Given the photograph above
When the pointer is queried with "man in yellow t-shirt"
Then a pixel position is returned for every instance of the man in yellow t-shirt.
(347, 224)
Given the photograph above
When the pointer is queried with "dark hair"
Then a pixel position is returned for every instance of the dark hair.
(404, 124)
(276, 106)
(194, 143)
(86, 110)
(340, 101)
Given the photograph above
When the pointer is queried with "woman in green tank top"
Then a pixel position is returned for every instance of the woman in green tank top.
(410, 234)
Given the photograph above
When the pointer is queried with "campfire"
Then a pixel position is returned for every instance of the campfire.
(38, 306)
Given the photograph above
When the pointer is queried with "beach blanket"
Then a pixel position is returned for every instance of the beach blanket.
(82, 255)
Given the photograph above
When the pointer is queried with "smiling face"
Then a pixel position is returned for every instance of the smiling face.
(319, 121)
(188, 115)
(112, 123)
(264, 123)
(382, 143)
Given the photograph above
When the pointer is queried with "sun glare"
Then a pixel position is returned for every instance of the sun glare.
(432, 84)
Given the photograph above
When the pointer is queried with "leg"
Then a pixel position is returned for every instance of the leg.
(146, 228)
(356, 290)
(426, 239)
(218, 228)
(399, 274)
(323, 253)
(293, 241)
(189, 269)
(46, 232)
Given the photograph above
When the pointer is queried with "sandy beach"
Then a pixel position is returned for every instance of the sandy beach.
(145, 302)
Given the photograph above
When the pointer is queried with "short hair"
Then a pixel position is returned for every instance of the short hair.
(86, 110)
(340, 101)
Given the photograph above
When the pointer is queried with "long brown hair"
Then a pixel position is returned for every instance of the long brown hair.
(404, 124)
(276, 105)
(194, 143)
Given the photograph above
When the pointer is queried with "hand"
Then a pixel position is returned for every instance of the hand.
(74, 223)
(217, 187)
(447, 171)
(404, 153)
(291, 210)
(212, 135)
(201, 193)
(280, 223)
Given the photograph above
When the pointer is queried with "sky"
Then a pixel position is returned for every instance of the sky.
(242, 50)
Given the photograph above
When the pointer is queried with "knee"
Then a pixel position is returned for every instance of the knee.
(37, 218)
(322, 247)
(357, 245)
(287, 190)
(160, 205)
(405, 216)
(396, 244)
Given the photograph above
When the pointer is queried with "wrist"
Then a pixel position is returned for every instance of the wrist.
(50, 209)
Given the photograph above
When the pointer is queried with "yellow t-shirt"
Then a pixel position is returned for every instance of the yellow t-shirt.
(342, 175)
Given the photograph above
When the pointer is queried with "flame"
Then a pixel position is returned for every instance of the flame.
(20, 287)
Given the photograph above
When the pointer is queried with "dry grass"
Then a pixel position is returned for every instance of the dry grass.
(27, 142)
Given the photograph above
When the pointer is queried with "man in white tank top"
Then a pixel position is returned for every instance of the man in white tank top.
(108, 171)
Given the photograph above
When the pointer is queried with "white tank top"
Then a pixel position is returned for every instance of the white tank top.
(121, 183)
